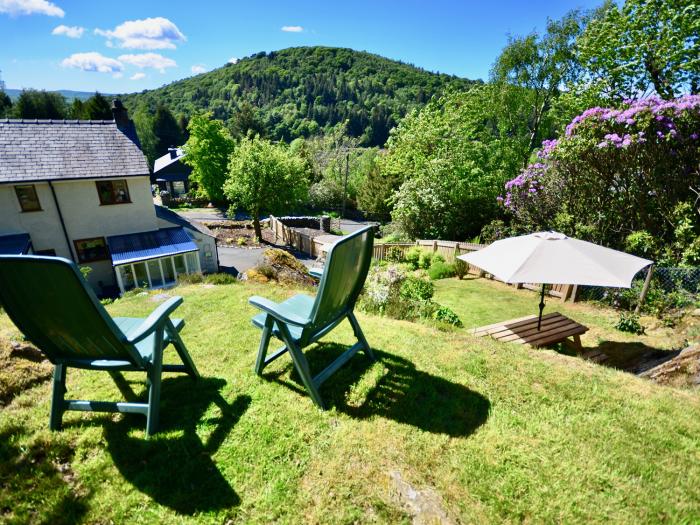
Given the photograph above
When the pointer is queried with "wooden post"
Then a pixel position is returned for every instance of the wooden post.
(574, 293)
(565, 292)
(434, 246)
(645, 289)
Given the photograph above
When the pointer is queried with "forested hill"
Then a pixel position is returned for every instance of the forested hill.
(299, 91)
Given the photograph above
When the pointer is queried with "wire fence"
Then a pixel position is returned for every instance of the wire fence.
(667, 280)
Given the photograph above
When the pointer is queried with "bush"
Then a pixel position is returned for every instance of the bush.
(461, 268)
(190, 278)
(446, 315)
(395, 254)
(412, 257)
(441, 270)
(426, 259)
(220, 278)
(437, 258)
(629, 323)
(416, 289)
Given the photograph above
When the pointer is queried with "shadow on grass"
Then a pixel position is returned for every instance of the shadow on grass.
(36, 482)
(632, 356)
(394, 389)
(175, 466)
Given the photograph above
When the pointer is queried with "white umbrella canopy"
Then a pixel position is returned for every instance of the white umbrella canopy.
(554, 258)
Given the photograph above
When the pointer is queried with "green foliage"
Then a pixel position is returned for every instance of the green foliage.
(97, 107)
(265, 178)
(5, 105)
(641, 46)
(441, 270)
(85, 271)
(426, 259)
(167, 131)
(416, 289)
(220, 278)
(629, 323)
(460, 267)
(299, 92)
(394, 254)
(446, 315)
(208, 150)
(40, 104)
(190, 278)
(623, 177)
(412, 257)
(494, 231)
(451, 159)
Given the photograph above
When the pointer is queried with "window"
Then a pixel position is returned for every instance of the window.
(28, 200)
(113, 191)
(90, 250)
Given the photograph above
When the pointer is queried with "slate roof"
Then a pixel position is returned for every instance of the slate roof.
(15, 244)
(167, 159)
(175, 218)
(39, 150)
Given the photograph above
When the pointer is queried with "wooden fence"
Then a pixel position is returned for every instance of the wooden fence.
(452, 249)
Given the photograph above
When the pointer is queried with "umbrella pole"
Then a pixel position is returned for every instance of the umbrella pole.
(539, 321)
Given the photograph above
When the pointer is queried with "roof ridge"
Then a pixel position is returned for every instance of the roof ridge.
(55, 121)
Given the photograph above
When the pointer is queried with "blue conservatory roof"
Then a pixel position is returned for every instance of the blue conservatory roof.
(15, 244)
(135, 247)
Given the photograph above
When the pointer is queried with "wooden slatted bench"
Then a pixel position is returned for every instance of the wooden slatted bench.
(554, 329)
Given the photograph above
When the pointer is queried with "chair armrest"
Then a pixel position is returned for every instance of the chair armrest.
(316, 272)
(153, 321)
(275, 311)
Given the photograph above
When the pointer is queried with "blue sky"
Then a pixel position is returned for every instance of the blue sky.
(130, 45)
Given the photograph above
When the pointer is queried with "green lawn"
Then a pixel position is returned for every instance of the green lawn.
(483, 431)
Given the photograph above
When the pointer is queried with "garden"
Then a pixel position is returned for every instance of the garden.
(462, 429)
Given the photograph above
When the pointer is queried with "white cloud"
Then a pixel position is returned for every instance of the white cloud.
(30, 7)
(233, 60)
(148, 60)
(150, 33)
(137, 76)
(292, 29)
(69, 31)
(198, 68)
(93, 62)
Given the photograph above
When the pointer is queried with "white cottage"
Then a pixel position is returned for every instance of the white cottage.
(81, 190)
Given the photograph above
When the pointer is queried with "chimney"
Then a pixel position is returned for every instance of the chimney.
(121, 116)
(173, 152)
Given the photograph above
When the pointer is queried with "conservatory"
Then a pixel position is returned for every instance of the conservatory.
(153, 259)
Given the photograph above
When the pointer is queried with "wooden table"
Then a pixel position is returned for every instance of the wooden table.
(555, 328)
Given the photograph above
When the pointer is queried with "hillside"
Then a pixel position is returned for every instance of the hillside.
(299, 91)
(68, 94)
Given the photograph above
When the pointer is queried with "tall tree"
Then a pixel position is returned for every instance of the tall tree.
(5, 104)
(644, 46)
(40, 104)
(265, 178)
(208, 150)
(246, 121)
(166, 129)
(538, 67)
(97, 107)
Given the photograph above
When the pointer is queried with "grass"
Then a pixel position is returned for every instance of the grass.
(483, 431)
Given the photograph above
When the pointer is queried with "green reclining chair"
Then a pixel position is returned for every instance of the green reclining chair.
(303, 320)
(51, 303)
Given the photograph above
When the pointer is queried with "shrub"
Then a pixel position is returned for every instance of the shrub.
(395, 254)
(220, 278)
(412, 257)
(441, 270)
(240, 241)
(85, 271)
(461, 268)
(190, 278)
(629, 323)
(447, 315)
(437, 258)
(416, 289)
(647, 151)
(426, 259)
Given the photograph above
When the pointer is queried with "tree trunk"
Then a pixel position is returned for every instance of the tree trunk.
(256, 226)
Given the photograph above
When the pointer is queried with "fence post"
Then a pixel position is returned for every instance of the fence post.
(434, 246)
(645, 289)
(574, 293)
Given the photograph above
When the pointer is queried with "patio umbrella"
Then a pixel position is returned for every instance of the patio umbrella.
(554, 258)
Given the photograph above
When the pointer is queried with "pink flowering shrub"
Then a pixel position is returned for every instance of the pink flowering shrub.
(616, 172)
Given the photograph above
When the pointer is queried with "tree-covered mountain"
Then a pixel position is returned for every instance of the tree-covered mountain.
(299, 92)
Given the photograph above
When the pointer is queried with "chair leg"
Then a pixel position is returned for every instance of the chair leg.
(181, 350)
(302, 366)
(264, 343)
(360, 336)
(154, 380)
(58, 397)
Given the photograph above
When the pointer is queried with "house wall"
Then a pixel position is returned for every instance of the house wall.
(208, 259)
(83, 215)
